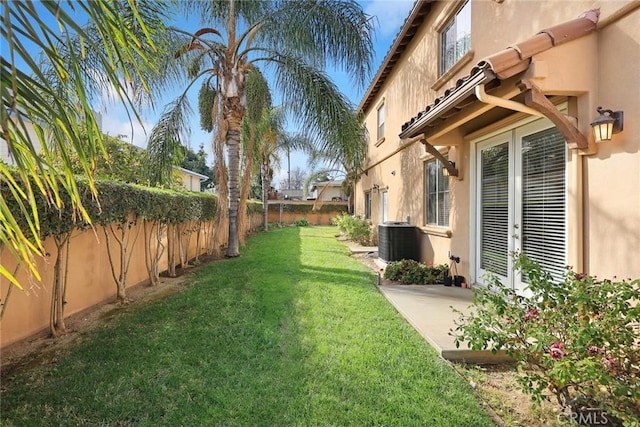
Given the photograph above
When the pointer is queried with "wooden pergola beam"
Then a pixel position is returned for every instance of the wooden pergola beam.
(534, 98)
(438, 155)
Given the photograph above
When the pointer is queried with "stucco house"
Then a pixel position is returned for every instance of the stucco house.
(480, 122)
(328, 191)
(190, 179)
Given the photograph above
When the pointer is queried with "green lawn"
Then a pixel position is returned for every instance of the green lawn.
(293, 333)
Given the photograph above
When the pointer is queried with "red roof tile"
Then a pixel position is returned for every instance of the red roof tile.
(508, 62)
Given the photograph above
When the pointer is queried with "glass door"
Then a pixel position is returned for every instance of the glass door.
(493, 212)
(521, 176)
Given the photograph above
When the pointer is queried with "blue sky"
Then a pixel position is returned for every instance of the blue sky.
(388, 18)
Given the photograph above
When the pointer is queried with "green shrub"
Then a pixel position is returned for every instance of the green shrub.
(302, 222)
(409, 272)
(117, 202)
(354, 227)
(575, 338)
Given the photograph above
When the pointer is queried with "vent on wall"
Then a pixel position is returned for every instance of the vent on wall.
(396, 241)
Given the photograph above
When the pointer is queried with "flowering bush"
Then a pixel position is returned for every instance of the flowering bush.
(408, 271)
(577, 339)
(354, 227)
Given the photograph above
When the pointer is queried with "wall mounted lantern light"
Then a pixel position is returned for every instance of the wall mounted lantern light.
(375, 188)
(606, 124)
(445, 171)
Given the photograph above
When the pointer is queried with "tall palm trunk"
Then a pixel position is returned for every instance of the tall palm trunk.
(243, 219)
(265, 194)
(234, 113)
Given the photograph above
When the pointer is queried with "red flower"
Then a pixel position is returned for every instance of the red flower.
(556, 350)
(580, 276)
(531, 314)
(594, 350)
(610, 364)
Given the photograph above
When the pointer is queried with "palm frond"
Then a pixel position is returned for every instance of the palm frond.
(219, 11)
(164, 148)
(323, 32)
(57, 97)
(316, 104)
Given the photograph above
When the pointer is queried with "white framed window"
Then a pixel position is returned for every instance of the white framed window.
(384, 203)
(381, 122)
(367, 205)
(436, 194)
(455, 38)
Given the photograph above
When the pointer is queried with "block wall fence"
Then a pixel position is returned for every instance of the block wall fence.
(89, 277)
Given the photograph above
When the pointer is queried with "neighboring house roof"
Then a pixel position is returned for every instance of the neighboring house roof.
(416, 17)
(196, 174)
(326, 184)
(499, 66)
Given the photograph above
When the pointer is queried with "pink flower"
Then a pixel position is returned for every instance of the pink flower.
(531, 314)
(610, 364)
(580, 276)
(556, 350)
(594, 350)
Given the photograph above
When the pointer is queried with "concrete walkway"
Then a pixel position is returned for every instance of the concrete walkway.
(429, 309)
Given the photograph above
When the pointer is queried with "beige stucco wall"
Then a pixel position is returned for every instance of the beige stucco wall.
(612, 176)
(190, 182)
(89, 282)
(594, 70)
(289, 214)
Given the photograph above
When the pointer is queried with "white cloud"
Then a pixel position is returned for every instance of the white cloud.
(389, 15)
(115, 123)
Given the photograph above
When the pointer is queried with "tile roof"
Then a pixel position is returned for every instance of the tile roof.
(501, 65)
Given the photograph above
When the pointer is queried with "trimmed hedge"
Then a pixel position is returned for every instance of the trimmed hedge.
(116, 202)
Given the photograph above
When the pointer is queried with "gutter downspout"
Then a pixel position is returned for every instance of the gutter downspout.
(504, 103)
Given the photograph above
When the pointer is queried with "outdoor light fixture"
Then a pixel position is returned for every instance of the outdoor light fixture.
(445, 171)
(375, 188)
(606, 124)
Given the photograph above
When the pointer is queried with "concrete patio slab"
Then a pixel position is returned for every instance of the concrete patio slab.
(429, 309)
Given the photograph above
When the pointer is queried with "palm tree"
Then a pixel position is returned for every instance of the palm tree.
(54, 96)
(272, 139)
(343, 160)
(293, 41)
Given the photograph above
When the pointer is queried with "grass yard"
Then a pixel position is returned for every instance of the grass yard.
(293, 333)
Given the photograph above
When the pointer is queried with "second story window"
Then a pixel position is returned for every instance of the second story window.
(380, 122)
(455, 38)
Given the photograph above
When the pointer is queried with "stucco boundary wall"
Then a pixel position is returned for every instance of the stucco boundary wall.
(89, 278)
(289, 211)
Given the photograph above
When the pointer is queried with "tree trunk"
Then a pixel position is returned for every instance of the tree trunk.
(126, 246)
(153, 231)
(265, 196)
(171, 250)
(233, 112)
(243, 220)
(58, 291)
